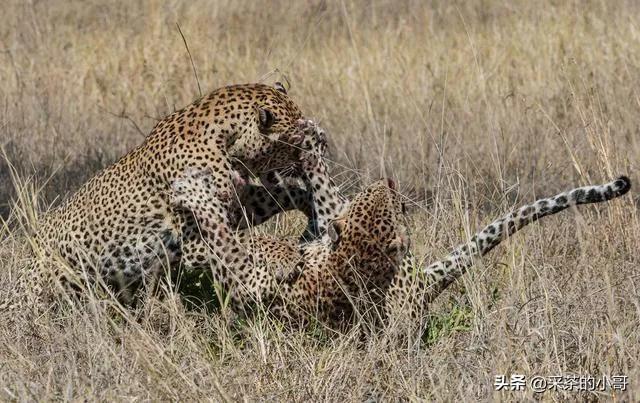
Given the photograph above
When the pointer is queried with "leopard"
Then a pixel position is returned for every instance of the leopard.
(413, 288)
(120, 229)
(363, 262)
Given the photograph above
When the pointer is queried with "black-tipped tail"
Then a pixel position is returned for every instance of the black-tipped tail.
(622, 185)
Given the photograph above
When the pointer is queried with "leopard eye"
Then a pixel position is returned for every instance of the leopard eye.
(266, 118)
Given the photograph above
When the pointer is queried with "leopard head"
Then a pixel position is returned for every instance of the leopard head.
(373, 231)
(269, 127)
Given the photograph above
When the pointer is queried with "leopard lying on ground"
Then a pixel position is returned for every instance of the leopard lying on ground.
(120, 226)
(364, 261)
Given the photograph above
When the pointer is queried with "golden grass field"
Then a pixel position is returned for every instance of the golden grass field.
(474, 107)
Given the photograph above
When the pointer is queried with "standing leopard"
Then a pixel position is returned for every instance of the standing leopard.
(120, 227)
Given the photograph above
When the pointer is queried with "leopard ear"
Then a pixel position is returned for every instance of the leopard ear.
(391, 184)
(280, 87)
(335, 230)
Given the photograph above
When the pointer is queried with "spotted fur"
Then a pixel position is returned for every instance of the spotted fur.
(319, 199)
(120, 227)
(410, 290)
(318, 279)
(363, 263)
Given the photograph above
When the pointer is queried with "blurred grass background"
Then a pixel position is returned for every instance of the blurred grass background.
(473, 107)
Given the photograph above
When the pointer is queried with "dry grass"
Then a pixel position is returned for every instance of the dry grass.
(473, 106)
